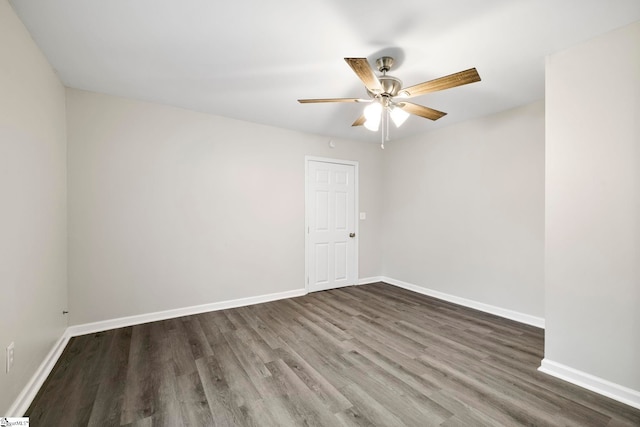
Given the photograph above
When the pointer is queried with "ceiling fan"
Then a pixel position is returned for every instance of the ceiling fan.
(387, 96)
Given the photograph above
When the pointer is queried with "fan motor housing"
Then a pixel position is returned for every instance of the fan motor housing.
(390, 86)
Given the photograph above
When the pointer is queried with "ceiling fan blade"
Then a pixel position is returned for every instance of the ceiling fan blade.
(359, 121)
(364, 71)
(310, 101)
(453, 80)
(422, 111)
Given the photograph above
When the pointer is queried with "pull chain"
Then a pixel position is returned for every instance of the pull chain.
(382, 120)
(384, 132)
(387, 124)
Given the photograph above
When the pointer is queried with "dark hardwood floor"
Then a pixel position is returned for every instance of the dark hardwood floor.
(368, 355)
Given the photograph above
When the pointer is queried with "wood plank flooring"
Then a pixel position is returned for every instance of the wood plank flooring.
(369, 355)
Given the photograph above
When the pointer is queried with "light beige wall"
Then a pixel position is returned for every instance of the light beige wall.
(593, 207)
(170, 208)
(33, 254)
(464, 210)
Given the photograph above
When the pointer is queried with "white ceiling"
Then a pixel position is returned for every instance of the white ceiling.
(252, 59)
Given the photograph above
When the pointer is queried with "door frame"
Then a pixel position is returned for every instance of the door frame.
(356, 217)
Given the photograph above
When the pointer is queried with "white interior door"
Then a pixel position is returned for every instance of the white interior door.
(331, 248)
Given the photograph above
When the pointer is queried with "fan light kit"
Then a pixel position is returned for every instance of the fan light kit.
(387, 96)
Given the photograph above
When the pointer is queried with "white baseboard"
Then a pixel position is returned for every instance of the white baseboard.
(590, 382)
(28, 393)
(368, 280)
(582, 379)
(498, 311)
(90, 328)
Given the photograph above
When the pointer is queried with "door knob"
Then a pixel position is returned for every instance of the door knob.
(352, 235)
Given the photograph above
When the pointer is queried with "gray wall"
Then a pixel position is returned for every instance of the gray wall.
(33, 252)
(170, 208)
(593, 207)
(464, 210)
(191, 208)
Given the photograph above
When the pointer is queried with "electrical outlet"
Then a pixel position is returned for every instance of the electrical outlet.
(10, 348)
